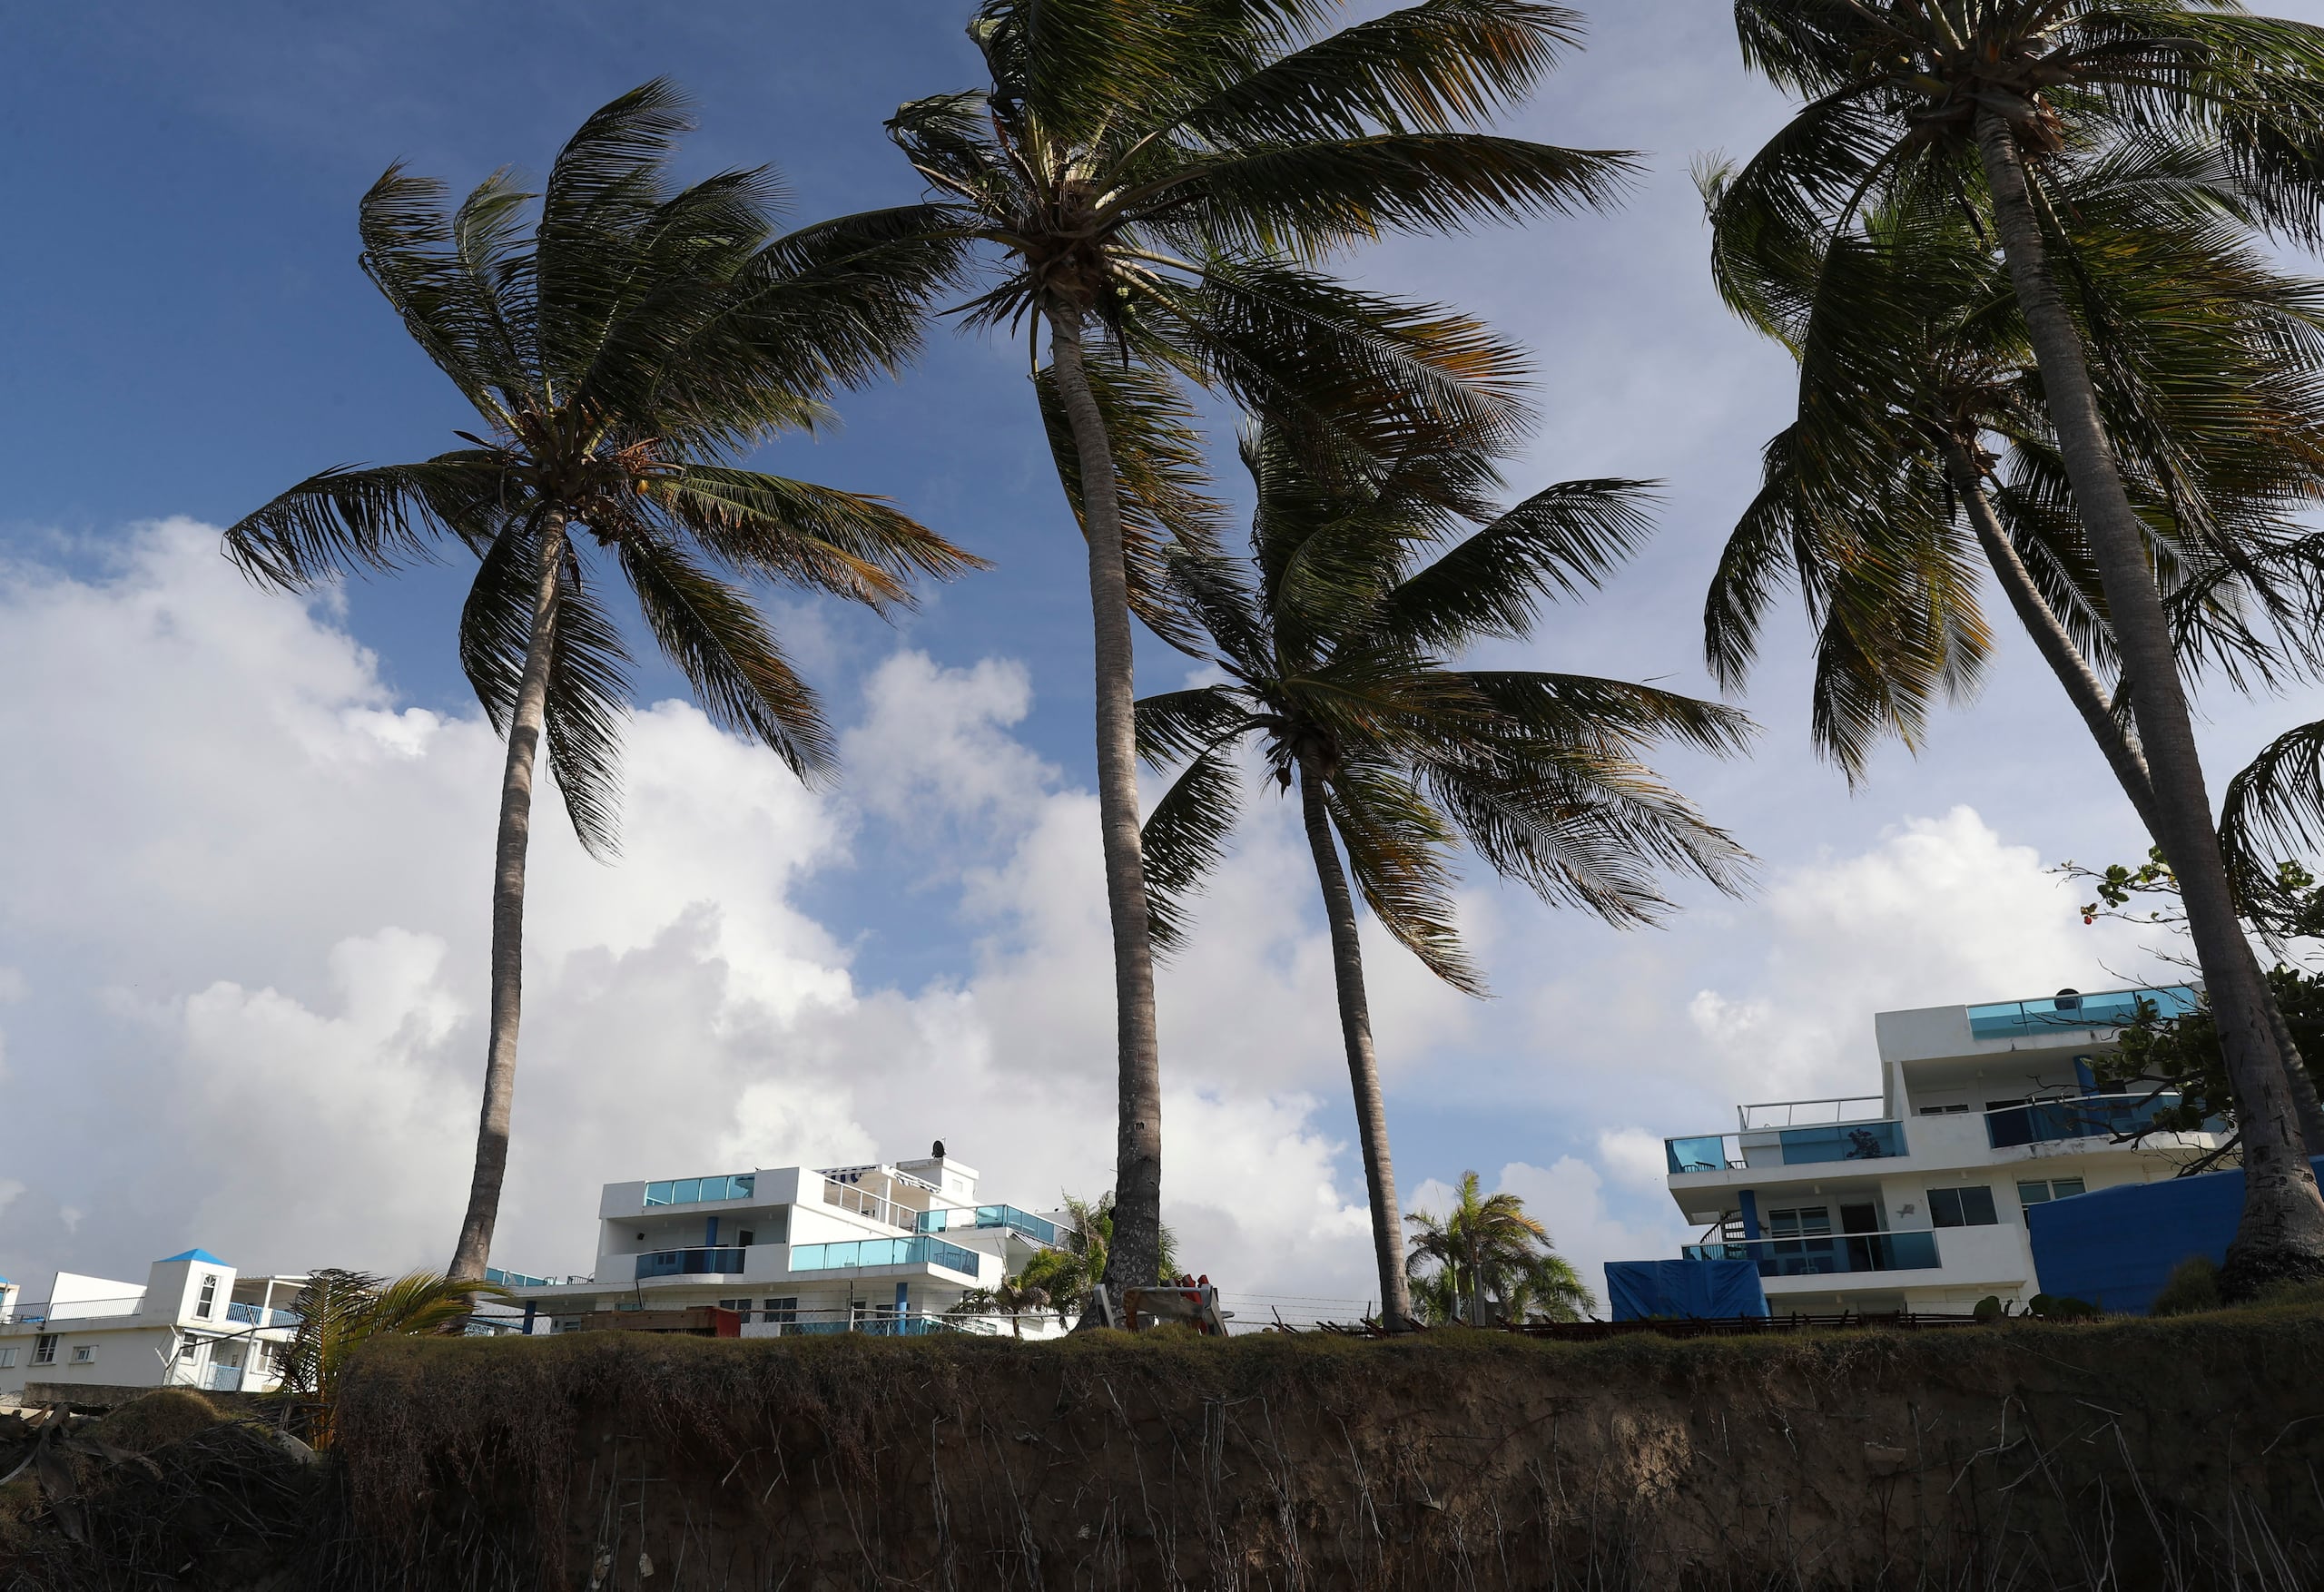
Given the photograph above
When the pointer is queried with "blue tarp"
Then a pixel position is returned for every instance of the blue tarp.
(1640, 1290)
(2116, 1247)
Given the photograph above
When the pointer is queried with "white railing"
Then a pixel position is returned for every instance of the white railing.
(1836, 1106)
(848, 1197)
(76, 1310)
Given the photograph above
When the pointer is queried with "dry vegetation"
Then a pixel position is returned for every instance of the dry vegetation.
(2178, 1453)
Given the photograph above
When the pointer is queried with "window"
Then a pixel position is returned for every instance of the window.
(1944, 1110)
(189, 1348)
(786, 1310)
(7, 1358)
(746, 1238)
(741, 1306)
(85, 1354)
(2037, 1193)
(44, 1348)
(1961, 1207)
(1809, 1222)
(209, 1295)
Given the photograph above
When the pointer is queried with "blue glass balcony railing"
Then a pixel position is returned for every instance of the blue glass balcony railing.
(514, 1279)
(692, 1191)
(1793, 1146)
(1009, 1216)
(691, 1262)
(1815, 1257)
(2015, 1019)
(1017, 1220)
(882, 1251)
(1841, 1141)
(1703, 1152)
(2092, 1117)
(251, 1315)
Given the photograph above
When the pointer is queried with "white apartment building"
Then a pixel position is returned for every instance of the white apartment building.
(193, 1323)
(1915, 1198)
(884, 1248)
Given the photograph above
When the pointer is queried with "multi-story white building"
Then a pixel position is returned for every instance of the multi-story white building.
(1915, 1198)
(193, 1323)
(886, 1248)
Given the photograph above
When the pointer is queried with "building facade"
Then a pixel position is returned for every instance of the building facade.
(1915, 1198)
(884, 1248)
(194, 1323)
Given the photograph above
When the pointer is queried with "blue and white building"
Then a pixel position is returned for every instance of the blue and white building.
(193, 1323)
(892, 1247)
(1916, 1197)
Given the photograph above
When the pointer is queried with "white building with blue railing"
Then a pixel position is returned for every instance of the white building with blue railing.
(194, 1323)
(892, 1247)
(1915, 1198)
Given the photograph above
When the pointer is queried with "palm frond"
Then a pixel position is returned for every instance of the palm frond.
(1185, 837)
(381, 516)
(719, 642)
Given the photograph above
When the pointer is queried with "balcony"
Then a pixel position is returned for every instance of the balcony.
(2019, 1019)
(251, 1315)
(2091, 1116)
(1790, 1146)
(1816, 1257)
(881, 1252)
(1034, 1227)
(693, 1190)
(690, 1263)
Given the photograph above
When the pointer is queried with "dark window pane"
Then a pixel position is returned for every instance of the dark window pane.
(1977, 1208)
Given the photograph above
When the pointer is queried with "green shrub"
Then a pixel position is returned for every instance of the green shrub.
(2056, 1307)
(2192, 1289)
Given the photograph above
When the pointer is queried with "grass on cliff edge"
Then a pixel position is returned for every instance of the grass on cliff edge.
(1259, 1357)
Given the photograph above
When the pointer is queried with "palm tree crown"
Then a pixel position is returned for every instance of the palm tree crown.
(1334, 647)
(622, 353)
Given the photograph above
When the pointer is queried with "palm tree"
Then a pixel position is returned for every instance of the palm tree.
(621, 355)
(1488, 1247)
(1162, 177)
(1362, 582)
(340, 1310)
(1911, 356)
(1994, 97)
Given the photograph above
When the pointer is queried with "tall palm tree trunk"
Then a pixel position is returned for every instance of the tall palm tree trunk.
(508, 916)
(1134, 1257)
(2073, 671)
(1362, 1065)
(2281, 1234)
(1476, 1280)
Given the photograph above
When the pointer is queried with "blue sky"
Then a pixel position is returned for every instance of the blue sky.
(185, 332)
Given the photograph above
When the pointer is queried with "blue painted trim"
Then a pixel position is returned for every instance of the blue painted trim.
(710, 1233)
(2084, 1075)
(903, 1299)
(531, 1309)
(1750, 1199)
(203, 1255)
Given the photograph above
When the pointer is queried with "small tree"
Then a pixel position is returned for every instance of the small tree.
(340, 1310)
(1489, 1251)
